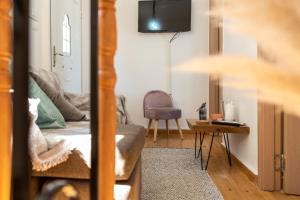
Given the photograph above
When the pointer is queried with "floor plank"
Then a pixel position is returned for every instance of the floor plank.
(233, 183)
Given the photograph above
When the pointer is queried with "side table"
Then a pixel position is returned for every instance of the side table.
(203, 129)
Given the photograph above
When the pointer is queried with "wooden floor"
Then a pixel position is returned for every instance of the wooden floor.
(233, 182)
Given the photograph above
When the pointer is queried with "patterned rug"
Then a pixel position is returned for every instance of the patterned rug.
(174, 174)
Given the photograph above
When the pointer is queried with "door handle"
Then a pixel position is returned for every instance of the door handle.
(55, 53)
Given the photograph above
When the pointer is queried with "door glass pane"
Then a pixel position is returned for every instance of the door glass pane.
(66, 36)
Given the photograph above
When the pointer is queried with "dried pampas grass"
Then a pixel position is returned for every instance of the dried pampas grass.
(275, 24)
(274, 85)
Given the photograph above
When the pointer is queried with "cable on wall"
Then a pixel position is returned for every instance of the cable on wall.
(170, 85)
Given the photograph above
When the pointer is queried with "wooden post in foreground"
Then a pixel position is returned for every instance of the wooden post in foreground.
(5, 100)
(107, 102)
(215, 47)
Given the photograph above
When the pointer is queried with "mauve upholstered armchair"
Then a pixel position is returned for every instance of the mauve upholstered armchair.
(158, 105)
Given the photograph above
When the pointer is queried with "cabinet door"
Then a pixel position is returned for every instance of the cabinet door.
(291, 176)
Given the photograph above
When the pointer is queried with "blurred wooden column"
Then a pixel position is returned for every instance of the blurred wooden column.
(107, 104)
(270, 130)
(5, 100)
(269, 135)
(215, 47)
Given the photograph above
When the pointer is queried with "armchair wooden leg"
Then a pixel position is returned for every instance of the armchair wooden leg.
(179, 129)
(149, 126)
(155, 130)
(167, 126)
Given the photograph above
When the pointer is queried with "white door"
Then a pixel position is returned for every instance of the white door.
(66, 42)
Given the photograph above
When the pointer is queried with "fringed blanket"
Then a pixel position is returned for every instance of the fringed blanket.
(51, 147)
(44, 153)
(60, 145)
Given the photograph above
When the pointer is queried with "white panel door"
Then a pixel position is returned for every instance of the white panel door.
(66, 43)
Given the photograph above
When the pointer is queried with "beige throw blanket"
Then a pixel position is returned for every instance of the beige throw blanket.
(54, 146)
(44, 154)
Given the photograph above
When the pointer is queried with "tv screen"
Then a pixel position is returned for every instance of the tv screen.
(164, 16)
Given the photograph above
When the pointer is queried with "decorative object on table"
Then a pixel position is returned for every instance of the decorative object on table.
(216, 116)
(230, 111)
(202, 112)
(158, 105)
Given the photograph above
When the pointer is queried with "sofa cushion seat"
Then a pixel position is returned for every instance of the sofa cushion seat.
(162, 113)
(129, 139)
(130, 142)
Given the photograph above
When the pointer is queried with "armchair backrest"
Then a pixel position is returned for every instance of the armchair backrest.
(157, 98)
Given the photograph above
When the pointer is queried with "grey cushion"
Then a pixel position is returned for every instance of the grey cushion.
(80, 101)
(53, 90)
(163, 113)
(50, 77)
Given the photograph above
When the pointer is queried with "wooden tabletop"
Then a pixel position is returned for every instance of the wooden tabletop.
(217, 128)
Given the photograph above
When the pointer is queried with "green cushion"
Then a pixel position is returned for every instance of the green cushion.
(48, 114)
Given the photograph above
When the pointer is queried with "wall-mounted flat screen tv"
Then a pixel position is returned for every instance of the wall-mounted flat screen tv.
(164, 16)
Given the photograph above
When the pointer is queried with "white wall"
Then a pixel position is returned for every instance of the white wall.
(244, 147)
(86, 42)
(40, 38)
(142, 61)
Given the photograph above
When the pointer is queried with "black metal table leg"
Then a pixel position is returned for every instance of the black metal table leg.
(202, 135)
(228, 147)
(226, 140)
(201, 142)
(212, 141)
(202, 150)
(196, 133)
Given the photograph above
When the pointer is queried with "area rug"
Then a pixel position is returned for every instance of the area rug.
(174, 174)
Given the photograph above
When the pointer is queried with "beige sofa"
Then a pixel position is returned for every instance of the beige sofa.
(75, 107)
(130, 142)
